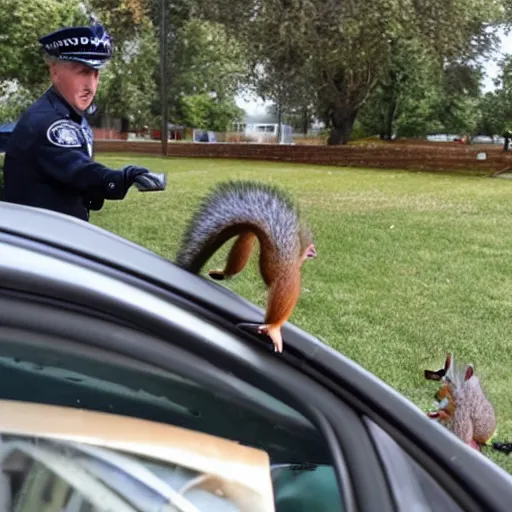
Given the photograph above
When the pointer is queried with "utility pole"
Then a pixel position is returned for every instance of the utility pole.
(164, 132)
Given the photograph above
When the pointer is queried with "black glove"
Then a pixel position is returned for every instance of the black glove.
(131, 172)
(151, 182)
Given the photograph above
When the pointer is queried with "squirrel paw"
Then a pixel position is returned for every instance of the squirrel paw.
(218, 275)
(274, 333)
(474, 445)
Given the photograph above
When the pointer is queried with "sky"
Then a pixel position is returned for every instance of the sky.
(490, 66)
(255, 106)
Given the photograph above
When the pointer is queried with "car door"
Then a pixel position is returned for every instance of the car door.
(79, 333)
(62, 343)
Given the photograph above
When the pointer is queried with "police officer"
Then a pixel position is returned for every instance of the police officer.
(48, 161)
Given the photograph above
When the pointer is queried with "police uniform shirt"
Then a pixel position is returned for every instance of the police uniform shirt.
(48, 162)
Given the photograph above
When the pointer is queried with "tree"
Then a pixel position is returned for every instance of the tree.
(22, 25)
(403, 98)
(204, 66)
(496, 107)
(124, 18)
(344, 48)
(208, 68)
(128, 88)
(285, 83)
(494, 114)
(23, 73)
(457, 106)
(207, 112)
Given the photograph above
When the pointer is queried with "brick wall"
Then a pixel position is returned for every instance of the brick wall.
(389, 156)
(108, 133)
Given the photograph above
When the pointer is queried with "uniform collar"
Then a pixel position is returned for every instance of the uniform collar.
(62, 106)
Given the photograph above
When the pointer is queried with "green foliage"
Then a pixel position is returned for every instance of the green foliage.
(23, 73)
(457, 108)
(496, 107)
(209, 113)
(210, 60)
(396, 67)
(495, 114)
(207, 70)
(448, 103)
(23, 23)
(15, 101)
(122, 17)
(127, 87)
(344, 50)
(403, 101)
(419, 96)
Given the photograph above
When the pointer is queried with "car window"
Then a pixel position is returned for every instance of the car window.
(413, 488)
(298, 454)
(59, 476)
(305, 487)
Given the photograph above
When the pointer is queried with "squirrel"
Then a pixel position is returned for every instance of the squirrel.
(463, 406)
(252, 211)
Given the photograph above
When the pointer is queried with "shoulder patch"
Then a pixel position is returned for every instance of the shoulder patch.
(65, 134)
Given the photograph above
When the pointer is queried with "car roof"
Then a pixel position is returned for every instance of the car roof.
(100, 245)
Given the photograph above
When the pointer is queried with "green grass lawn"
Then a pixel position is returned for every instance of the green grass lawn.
(410, 265)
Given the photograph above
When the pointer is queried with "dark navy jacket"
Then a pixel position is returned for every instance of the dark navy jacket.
(48, 161)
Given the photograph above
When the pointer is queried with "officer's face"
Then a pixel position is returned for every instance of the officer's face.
(76, 82)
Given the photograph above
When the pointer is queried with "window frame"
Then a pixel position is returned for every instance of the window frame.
(353, 456)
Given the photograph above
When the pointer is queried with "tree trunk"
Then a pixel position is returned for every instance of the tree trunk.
(391, 92)
(342, 122)
(125, 125)
(305, 121)
(390, 117)
(279, 121)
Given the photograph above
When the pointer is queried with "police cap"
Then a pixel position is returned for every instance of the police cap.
(89, 45)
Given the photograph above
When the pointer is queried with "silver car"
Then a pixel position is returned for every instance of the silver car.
(92, 322)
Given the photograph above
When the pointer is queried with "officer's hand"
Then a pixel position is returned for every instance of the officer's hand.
(151, 182)
(131, 173)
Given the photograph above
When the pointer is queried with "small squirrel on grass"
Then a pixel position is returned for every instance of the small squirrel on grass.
(252, 211)
(463, 406)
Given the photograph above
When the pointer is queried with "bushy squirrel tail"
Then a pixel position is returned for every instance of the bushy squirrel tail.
(247, 208)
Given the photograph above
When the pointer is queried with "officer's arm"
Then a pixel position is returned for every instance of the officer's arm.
(63, 160)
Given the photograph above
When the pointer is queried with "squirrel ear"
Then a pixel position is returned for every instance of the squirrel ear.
(431, 375)
(309, 252)
(470, 371)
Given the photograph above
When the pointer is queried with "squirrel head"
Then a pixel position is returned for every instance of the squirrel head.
(454, 379)
(445, 407)
(444, 395)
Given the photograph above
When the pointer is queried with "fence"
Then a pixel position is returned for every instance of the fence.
(421, 156)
